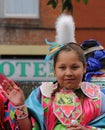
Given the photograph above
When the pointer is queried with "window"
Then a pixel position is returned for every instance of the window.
(19, 8)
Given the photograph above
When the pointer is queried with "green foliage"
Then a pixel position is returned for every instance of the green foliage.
(54, 3)
(66, 4)
(85, 1)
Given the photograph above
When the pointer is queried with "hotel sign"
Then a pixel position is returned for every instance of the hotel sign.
(27, 70)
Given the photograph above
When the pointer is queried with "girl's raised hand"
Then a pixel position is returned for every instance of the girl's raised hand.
(13, 92)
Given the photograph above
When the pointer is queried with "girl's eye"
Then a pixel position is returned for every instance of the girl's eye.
(62, 67)
(75, 67)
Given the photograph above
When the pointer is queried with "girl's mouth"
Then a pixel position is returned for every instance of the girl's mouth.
(69, 80)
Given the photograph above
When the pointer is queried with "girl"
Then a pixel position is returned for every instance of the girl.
(68, 103)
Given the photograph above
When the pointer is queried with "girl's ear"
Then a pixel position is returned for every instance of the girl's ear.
(54, 73)
(85, 68)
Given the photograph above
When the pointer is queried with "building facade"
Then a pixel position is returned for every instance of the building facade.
(24, 25)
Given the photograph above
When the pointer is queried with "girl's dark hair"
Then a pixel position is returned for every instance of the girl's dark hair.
(78, 92)
(71, 47)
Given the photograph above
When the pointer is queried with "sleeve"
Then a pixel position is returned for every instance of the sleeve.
(94, 128)
(99, 122)
(102, 102)
(35, 108)
(35, 124)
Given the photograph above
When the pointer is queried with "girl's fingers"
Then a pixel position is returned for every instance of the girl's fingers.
(9, 85)
(73, 126)
(13, 84)
(4, 86)
(4, 93)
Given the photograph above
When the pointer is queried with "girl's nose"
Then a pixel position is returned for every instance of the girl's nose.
(68, 72)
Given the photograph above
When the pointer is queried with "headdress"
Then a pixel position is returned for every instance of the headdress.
(87, 49)
(93, 63)
(65, 33)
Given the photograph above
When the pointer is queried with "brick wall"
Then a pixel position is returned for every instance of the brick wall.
(89, 21)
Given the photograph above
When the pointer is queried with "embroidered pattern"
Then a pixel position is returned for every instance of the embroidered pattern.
(9, 116)
(91, 90)
(21, 112)
(67, 107)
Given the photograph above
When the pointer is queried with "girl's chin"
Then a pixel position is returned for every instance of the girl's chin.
(68, 88)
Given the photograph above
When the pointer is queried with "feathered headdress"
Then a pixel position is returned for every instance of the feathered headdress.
(65, 29)
(65, 33)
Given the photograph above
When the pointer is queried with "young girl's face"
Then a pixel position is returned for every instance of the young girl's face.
(69, 70)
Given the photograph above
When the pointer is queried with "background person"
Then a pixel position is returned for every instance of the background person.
(95, 59)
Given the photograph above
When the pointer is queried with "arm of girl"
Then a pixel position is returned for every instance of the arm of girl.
(16, 96)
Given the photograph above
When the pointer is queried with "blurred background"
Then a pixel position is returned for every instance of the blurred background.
(24, 25)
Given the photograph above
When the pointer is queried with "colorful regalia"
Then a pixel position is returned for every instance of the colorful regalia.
(57, 112)
(8, 117)
(7, 111)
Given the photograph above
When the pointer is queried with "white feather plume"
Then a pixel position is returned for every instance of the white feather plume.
(65, 29)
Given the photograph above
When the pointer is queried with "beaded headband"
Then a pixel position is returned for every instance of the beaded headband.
(53, 49)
